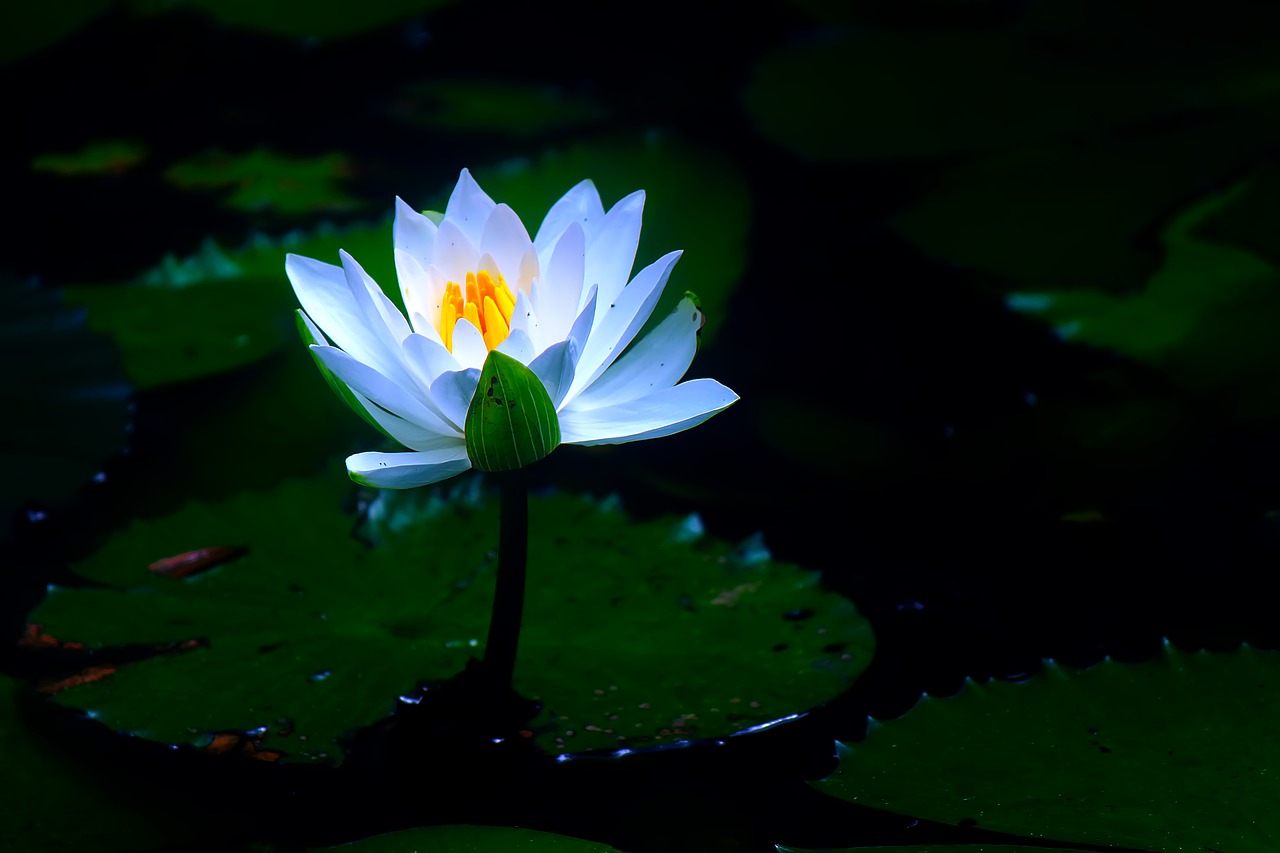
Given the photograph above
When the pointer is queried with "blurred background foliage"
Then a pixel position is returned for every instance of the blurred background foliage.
(995, 279)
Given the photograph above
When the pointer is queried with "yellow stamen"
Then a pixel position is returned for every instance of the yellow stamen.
(488, 306)
(450, 311)
(495, 325)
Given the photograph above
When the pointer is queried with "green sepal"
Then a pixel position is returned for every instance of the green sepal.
(310, 338)
(511, 421)
(697, 305)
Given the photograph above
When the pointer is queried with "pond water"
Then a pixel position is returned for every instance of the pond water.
(995, 283)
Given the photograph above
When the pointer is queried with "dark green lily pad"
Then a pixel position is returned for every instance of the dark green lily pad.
(1077, 215)
(107, 156)
(54, 806)
(930, 848)
(67, 397)
(217, 310)
(635, 633)
(883, 94)
(470, 839)
(28, 27)
(1252, 216)
(1175, 754)
(262, 179)
(1206, 317)
(494, 106)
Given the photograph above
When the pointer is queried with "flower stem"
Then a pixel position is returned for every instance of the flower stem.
(508, 596)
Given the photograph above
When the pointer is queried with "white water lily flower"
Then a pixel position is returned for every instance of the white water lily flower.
(560, 303)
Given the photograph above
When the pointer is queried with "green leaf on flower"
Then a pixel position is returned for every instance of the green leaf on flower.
(263, 179)
(54, 806)
(635, 633)
(470, 839)
(1174, 754)
(511, 422)
(108, 156)
(66, 395)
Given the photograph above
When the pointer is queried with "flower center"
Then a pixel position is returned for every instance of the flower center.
(487, 305)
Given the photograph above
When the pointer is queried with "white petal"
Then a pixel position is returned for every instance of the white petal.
(413, 233)
(581, 205)
(558, 293)
(427, 358)
(524, 318)
(374, 304)
(385, 324)
(658, 360)
(365, 380)
(505, 238)
(664, 412)
(617, 322)
(518, 346)
(422, 294)
(469, 347)
(581, 329)
(326, 299)
(611, 252)
(554, 367)
(426, 329)
(530, 269)
(453, 391)
(407, 470)
(469, 207)
(409, 434)
(456, 254)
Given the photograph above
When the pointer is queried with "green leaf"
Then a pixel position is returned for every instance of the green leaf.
(511, 422)
(263, 179)
(634, 633)
(218, 310)
(1174, 754)
(929, 848)
(469, 839)
(28, 27)
(515, 107)
(107, 156)
(1206, 317)
(1070, 215)
(53, 805)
